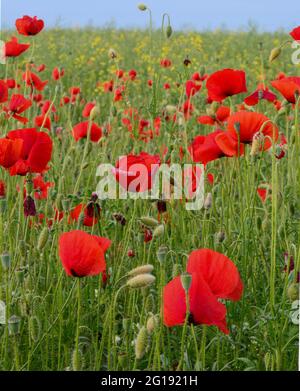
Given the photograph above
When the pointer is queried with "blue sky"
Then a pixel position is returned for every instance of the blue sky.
(269, 15)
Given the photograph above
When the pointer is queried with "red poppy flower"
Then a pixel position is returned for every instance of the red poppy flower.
(12, 84)
(249, 124)
(132, 74)
(192, 87)
(43, 121)
(91, 213)
(41, 187)
(3, 91)
(57, 73)
(214, 276)
(87, 258)
(87, 109)
(119, 73)
(10, 152)
(135, 173)
(81, 130)
(33, 81)
(165, 63)
(204, 149)
(17, 105)
(222, 114)
(260, 93)
(288, 86)
(29, 26)
(295, 33)
(74, 91)
(36, 151)
(225, 83)
(41, 68)
(262, 193)
(14, 49)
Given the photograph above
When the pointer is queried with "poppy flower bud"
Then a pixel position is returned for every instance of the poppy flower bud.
(14, 325)
(141, 270)
(150, 304)
(141, 343)
(159, 231)
(112, 53)
(162, 253)
(77, 360)
(141, 281)
(169, 31)
(220, 237)
(29, 207)
(142, 7)
(43, 238)
(34, 326)
(123, 360)
(94, 113)
(186, 281)
(6, 261)
(149, 221)
(275, 52)
(152, 323)
(208, 201)
(293, 292)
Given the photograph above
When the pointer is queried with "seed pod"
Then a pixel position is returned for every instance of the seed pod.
(149, 221)
(142, 7)
(34, 328)
(141, 343)
(162, 253)
(141, 270)
(208, 201)
(14, 325)
(141, 281)
(275, 52)
(6, 261)
(43, 238)
(152, 323)
(159, 231)
(186, 281)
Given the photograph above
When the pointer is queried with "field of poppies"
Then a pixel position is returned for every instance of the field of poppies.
(88, 283)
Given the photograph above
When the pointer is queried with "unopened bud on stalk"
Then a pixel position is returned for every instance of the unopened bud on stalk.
(141, 281)
(293, 292)
(274, 54)
(208, 201)
(43, 238)
(152, 323)
(141, 343)
(169, 31)
(94, 113)
(142, 7)
(162, 253)
(6, 261)
(149, 221)
(14, 325)
(186, 281)
(159, 231)
(141, 270)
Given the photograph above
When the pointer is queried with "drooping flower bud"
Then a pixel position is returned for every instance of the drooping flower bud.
(141, 343)
(142, 7)
(141, 281)
(275, 52)
(169, 31)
